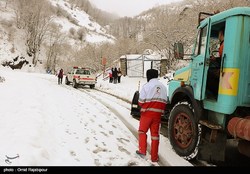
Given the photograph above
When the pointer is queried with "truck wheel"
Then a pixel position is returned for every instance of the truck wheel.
(66, 81)
(74, 83)
(135, 108)
(183, 131)
(92, 86)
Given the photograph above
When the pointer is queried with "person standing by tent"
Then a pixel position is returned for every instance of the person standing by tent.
(110, 73)
(152, 100)
(115, 76)
(119, 74)
(60, 76)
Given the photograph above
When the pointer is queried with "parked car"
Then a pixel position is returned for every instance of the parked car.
(79, 76)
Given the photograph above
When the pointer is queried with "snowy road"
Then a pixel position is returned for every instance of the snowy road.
(48, 124)
(121, 109)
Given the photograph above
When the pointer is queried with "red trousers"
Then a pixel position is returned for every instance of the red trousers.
(149, 120)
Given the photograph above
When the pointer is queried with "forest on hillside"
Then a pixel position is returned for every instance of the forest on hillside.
(159, 28)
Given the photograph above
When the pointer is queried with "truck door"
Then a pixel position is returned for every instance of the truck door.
(199, 68)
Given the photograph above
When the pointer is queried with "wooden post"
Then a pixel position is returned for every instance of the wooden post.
(104, 61)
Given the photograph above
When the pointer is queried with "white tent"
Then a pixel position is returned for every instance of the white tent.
(138, 64)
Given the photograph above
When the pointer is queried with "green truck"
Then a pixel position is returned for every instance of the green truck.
(201, 121)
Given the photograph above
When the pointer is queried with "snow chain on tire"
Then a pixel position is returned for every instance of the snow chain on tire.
(171, 129)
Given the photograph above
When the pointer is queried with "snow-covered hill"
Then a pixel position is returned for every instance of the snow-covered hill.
(10, 42)
(95, 33)
(13, 39)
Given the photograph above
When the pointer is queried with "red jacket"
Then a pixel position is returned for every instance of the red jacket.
(153, 96)
(221, 49)
(60, 74)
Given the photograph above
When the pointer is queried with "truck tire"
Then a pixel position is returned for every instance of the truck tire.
(92, 86)
(66, 81)
(74, 83)
(183, 131)
(135, 108)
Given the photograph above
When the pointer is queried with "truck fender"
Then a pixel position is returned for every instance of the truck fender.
(186, 94)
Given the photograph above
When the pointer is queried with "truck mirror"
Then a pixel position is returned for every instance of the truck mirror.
(178, 50)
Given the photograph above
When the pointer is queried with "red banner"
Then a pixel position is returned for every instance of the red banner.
(104, 61)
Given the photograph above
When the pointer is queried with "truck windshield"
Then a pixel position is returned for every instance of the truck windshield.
(201, 41)
(83, 71)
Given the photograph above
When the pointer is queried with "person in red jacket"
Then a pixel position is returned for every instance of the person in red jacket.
(216, 61)
(152, 100)
(214, 67)
(60, 76)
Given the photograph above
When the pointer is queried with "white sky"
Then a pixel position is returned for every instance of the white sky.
(128, 7)
(47, 124)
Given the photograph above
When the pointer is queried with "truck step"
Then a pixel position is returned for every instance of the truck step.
(214, 129)
(210, 125)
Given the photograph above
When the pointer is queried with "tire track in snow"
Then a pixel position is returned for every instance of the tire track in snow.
(119, 107)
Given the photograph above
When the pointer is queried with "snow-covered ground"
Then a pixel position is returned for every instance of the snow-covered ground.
(46, 124)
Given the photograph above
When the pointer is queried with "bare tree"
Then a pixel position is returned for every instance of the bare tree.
(20, 13)
(55, 40)
(35, 17)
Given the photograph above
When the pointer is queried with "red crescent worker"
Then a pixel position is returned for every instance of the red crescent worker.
(152, 99)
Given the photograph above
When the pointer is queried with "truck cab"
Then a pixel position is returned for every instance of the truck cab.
(201, 119)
